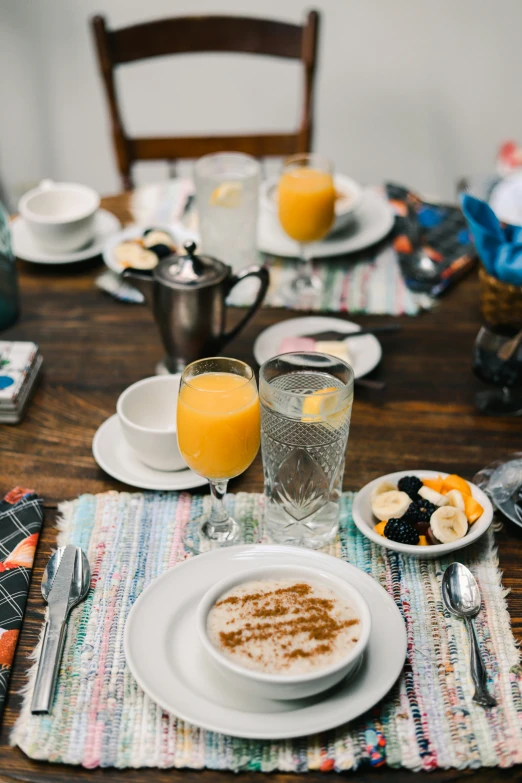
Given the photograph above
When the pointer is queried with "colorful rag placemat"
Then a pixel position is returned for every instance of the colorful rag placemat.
(102, 718)
(366, 282)
(21, 513)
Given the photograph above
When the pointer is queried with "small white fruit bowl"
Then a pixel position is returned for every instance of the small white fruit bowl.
(365, 520)
(279, 686)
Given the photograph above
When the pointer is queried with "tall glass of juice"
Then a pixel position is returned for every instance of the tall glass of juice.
(218, 425)
(306, 205)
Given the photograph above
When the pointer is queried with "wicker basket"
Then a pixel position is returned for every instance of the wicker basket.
(501, 303)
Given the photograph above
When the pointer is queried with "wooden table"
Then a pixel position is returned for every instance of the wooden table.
(94, 347)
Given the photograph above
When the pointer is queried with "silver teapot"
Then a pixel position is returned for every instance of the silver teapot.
(187, 295)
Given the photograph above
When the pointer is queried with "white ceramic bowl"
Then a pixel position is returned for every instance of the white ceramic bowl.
(345, 208)
(60, 215)
(280, 686)
(365, 521)
(147, 414)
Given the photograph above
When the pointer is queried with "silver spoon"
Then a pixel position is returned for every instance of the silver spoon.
(461, 596)
(65, 583)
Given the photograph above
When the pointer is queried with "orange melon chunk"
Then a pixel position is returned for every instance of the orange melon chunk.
(379, 527)
(435, 483)
(472, 509)
(455, 482)
(423, 541)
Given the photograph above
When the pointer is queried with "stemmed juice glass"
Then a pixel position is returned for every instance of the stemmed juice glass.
(218, 424)
(306, 204)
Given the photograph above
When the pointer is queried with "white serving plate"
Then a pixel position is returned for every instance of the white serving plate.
(165, 655)
(365, 521)
(345, 208)
(372, 221)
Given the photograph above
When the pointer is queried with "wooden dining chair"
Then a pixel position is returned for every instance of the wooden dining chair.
(180, 35)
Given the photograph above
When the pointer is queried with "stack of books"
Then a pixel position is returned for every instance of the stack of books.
(20, 365)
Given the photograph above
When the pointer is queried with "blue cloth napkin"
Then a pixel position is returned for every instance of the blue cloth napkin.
(499, 246)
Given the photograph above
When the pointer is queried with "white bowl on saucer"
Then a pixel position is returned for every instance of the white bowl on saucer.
(365, 521)
(147, 414)
(345, 206)
(60, 215)
(280, 686)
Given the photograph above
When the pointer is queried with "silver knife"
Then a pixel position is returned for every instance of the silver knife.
(65, 583)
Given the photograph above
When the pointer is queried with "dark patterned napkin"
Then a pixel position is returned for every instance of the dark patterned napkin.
(439, 233)
(21, 513)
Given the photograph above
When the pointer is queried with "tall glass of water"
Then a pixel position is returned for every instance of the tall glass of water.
(306, 406)
(227, 194)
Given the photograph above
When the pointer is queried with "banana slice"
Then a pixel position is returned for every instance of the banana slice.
(131, 254)
(456, 499)
(157, 237)
(384, 486)
(433, 497)
(448, 524)
(390, 504)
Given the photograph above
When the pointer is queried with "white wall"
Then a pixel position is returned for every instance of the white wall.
(412, 90)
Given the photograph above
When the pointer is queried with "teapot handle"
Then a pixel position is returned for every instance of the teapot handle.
(252, 271)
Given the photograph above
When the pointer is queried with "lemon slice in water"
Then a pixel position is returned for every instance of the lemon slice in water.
(316, 407)
(228, 194)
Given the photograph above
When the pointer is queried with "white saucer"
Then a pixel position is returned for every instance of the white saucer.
(26, 248)
(116, 458)
(365, 352)
(373, 221)
(165, 656)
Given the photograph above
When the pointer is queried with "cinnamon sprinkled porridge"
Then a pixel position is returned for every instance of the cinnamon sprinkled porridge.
(283, 626)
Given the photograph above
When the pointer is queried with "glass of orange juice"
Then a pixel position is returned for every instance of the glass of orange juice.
(306, 204)
(218, 424)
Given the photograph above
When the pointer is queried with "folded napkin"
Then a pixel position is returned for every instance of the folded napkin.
(20, 523)
(499, 246)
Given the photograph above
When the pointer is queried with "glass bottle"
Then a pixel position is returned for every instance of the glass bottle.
(9, 302)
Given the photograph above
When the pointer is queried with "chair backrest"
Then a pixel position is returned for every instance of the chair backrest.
(184, 34)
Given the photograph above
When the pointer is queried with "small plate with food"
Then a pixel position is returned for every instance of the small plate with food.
(422, 513)
(142, 248)
(363, 353)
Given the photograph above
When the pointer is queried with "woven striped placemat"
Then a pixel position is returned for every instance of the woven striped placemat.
(368, 282)
(102, 718)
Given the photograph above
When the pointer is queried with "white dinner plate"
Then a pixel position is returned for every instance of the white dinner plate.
(178, 232)
(365, 521)
(365, 352)
(372, 222)
(25, 246)
(165, 655)
(115, 457)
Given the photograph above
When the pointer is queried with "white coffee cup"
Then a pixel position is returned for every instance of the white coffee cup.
(60, 215)
(147, 413)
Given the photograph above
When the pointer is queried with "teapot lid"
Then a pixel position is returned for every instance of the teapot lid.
(191, 270)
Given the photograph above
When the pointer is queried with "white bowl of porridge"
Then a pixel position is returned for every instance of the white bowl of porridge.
(284, 632)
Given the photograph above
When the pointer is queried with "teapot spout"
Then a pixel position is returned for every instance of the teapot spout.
(143, 281)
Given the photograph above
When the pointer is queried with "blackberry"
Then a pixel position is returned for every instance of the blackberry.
(419, 511)
(410, 485)
(401, 531)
